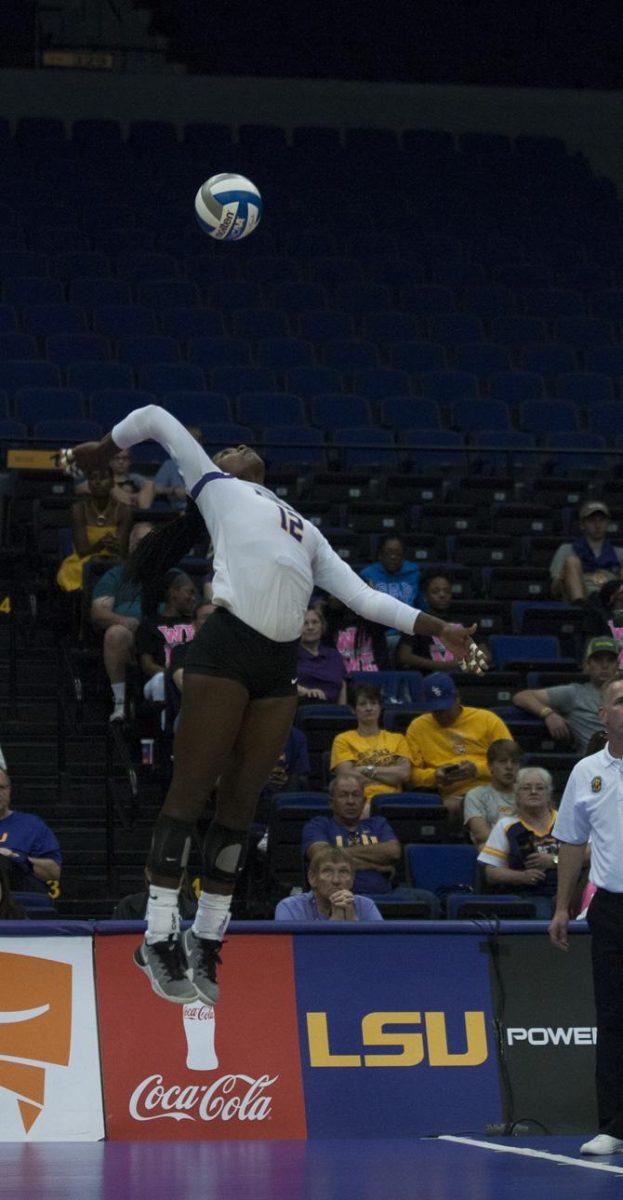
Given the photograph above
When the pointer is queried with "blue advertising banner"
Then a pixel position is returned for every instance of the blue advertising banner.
(396, 1035)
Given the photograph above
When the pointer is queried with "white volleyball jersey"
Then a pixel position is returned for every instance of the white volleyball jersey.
(267, 557)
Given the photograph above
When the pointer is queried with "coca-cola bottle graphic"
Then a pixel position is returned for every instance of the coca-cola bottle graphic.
(199, 1027)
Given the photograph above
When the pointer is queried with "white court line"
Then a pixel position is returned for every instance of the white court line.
(558, 1158)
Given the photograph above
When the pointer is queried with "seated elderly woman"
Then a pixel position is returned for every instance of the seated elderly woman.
(321, 671)
(378, 757)
(521, 853)
(100, 526)
(331, 897)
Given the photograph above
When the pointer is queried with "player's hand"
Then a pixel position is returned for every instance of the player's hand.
(559, 931)
(460, 642)
(87, 457)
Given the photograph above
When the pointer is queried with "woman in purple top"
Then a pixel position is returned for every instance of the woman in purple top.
(321, 670)
(331, 897)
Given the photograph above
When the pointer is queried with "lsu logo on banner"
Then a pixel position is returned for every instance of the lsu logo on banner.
(35, 1027)
(428, 1042)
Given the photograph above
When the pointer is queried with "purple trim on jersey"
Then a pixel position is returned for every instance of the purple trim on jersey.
(194, 492)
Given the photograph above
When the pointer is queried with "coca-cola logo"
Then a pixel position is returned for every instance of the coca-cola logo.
(231, 1097)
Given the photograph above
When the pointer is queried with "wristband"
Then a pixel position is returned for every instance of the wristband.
(545, 712)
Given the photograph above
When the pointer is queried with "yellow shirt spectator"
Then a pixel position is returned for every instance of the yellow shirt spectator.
(378, 757)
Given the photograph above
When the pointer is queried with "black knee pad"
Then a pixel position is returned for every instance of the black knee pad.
(224, 853)
(170, 845)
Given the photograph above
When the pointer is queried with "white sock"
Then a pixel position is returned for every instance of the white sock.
(118, 691)
(212, 916)
(163, 914)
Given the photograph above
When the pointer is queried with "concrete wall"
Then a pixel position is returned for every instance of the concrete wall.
(589, 122)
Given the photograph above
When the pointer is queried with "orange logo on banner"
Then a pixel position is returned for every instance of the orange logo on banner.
(35, 1026)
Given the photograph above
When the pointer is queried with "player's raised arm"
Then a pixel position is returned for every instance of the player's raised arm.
(336, 577)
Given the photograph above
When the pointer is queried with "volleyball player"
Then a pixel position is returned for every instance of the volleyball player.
(239, 696)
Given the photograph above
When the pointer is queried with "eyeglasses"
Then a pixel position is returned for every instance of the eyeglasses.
(532, 787)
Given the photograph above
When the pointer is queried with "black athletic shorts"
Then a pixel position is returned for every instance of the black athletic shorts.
(226, 647)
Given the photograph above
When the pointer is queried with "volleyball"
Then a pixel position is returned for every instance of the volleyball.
(228, 207)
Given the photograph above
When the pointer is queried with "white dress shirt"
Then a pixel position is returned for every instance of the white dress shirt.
(592, 807)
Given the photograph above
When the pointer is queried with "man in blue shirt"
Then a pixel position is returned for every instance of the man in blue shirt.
(29, 848)
(370, 844)
(331, 897)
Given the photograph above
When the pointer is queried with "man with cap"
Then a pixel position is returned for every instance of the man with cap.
(570, 710)
(449, 743)
(581, 567)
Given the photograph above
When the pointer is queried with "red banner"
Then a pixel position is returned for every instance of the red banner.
(196, 1071)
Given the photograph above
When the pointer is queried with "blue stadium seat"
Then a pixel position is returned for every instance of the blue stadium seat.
(212, 352)
(46, 241)
(607, 360)
(424, 299)
(469, 415)
(515, 386)
(283, 353)
(112, 216)
(607, 304)
(398, 411)
(118, 242)
(555, 252)
(581, 443)
(217, 435)
(137, 267)
(124, 320)
(83, 265)
(229, 294)
(447, 386)
(152, 348)
(439, 868)
(8, 317)
(90, 377)
(581, 332)
(376, 383)
(296, 297)
(588, 390)
(451, 329)
(350, 354)
(390, 326)
(12, 431)
(449, 451)
(507, 648)
(361, 298)
(195, 408)
(382, 452)
(548, 360)
(310, 244)
(313, 381)
(312, 453)
(260, 408)
(337, 409)
(43, 320)
(40, 134)
(17, 345)
(332, 272)
(96, 133)
(110, 405)
(557, 416)
(324, 324)
(156, 292)
(65, 348)
(162, 377)
(510, 446)
(415, 357)
(27, 373)
(204, 268)
(492, 250)
(34, 404)
(234, 380)
(38, 290)
(67, 431)
(602, 416)
(185, 323)
(152, 138)
(99, 293)
(260, 323)
(488, 301)
(393, 272)
(4, 406)
(202, 137)
(551, 302)
(517, 330)
(482, 358)
(22, 263)
(270, 269)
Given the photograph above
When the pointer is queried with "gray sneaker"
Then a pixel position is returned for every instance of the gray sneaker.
(203, 958)
(165, 967)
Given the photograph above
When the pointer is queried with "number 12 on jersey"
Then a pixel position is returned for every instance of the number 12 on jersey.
(291, 524)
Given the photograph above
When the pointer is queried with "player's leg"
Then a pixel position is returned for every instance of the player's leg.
(211, 716)
(261, 739)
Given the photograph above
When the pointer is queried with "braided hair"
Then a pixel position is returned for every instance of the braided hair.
(161, 550)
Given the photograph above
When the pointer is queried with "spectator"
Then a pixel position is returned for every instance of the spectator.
(129, 487)
(394, 574)
(604, 614)
(134, 906)
(331, 898)
(361, 643)
(485, 805)
(290, 773)
(321, 672)
(168, 482)
(448, 745)
(31, 851)
(580, 568)
(419, 653)
(379, 758)
(570, 710)
(175, 669)
(521, 853)
(99, 526)
(10, 910)
(369, 843)
(116, 609)
(156, 636)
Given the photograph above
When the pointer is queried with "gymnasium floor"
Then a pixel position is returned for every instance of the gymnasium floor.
(444, 1168)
